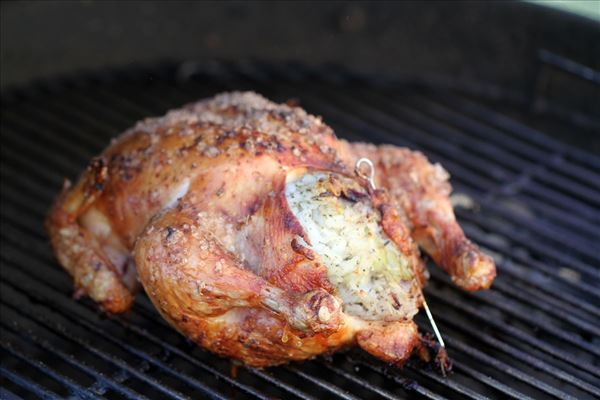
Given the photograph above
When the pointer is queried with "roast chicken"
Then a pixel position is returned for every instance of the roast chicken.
(250, 231)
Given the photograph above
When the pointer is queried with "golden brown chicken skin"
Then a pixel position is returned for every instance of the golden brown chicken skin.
(251, 234)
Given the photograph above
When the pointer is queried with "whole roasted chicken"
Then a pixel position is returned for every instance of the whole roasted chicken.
(253, 236)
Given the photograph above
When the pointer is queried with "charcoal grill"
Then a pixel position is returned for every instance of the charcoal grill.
(531, 201)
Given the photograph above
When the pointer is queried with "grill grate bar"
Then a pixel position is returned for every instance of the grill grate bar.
(534, 265)
(50, 182)
(461, 390)
(279, 383)
(546, 159)
(481, 153)
(322, 384)
(74, 388)
(57, 142)
(31, 111)
(551, 212)
(37, 194)
(361, 382)
(11, 157)
(504, 389)
(20, 145)
(520, 130)
(500, 366)
(404, 382)
(511, 308)
(559, 199)
(545, 303)
(505, 150)
(504, 368)
(586, 282)
(100, 378)
(6, 395)
(476, 124)
(39, 129)
(516, 333)
(27, 384)
(520, 355)
(563, 300)
(62, 332)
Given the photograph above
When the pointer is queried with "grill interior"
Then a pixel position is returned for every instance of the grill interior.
(530, 201)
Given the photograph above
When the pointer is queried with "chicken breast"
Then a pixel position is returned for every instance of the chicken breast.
(250, 232)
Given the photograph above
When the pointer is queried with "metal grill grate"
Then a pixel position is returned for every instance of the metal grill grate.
(536, 208)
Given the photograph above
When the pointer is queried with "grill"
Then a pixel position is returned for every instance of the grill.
(530, 201)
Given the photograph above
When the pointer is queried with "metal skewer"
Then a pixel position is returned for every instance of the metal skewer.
(371, 179)
(438, 335)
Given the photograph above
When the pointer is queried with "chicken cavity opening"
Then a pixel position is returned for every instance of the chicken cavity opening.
(374, 280)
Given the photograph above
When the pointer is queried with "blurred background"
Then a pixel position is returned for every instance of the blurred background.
(487, 40)
(496, 42)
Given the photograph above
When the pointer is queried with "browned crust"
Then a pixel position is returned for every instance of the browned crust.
(234, 151)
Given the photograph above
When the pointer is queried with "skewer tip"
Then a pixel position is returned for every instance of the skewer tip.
(370, 177)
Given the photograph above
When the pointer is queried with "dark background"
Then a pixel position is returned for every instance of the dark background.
(495, 42)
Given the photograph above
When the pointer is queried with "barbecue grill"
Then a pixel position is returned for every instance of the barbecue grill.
(529, 200)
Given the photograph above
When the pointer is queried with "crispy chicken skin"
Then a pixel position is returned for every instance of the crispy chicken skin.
(202, 206)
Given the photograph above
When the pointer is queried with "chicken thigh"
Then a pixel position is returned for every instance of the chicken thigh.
(250, 232)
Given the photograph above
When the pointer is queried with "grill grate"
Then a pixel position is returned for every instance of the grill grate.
(536, 209)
